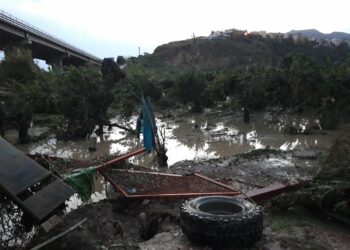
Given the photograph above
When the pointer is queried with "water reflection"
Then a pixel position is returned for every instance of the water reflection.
(16, 227)
(197, 137)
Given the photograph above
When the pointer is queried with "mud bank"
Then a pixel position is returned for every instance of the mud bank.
(154, 224)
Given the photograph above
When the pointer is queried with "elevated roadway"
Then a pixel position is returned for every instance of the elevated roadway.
(44, 46)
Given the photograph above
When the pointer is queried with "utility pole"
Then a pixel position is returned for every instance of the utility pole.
(139, 50)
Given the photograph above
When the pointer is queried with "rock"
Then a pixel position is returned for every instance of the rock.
(310, 155)
(145, 202)
(169, 241)
(50, 223)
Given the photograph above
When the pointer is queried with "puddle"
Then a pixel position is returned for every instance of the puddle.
(15, 227)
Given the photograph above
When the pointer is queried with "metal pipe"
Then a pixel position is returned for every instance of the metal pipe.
(146, 172)
(215, 182)
(120, 158)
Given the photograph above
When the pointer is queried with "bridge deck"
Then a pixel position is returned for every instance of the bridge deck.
(20, 28)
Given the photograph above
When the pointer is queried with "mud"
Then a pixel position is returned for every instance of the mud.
(154, 224)
(214, 144)
(115, 224)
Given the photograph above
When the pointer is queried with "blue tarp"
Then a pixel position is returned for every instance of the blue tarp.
(148, 125)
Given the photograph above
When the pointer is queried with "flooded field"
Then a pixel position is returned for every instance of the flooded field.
(204, 136)
(191, 137)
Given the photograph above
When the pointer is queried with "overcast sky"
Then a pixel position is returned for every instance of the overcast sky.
(107, 28)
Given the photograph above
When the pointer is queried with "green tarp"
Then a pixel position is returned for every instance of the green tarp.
(82, 181)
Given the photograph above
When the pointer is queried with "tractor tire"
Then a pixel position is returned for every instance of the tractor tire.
(221, 220)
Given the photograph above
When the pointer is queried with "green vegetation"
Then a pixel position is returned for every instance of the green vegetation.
(330, 190)
(80, 99)
(138, 81)
(189, 88)
(254, 72)
(81, 95)
(297, 83)
(20, 79)
(293, 76)
(235, 51)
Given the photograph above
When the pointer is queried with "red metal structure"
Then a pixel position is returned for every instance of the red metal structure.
(147, 185)
(120, 159)
(141, 184)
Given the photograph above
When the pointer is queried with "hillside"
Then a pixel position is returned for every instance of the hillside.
(213, 54)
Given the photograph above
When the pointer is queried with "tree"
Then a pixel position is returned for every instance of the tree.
(138, 81)
(189, 88)
(20, 74)
(80, 98)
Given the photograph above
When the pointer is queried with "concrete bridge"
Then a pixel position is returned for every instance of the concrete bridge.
(15, 32)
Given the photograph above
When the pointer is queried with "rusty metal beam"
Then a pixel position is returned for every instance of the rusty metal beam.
(115, 186)
(179, 195)
(216, 182)
(230, 191)
(120, 158)
(270, 191)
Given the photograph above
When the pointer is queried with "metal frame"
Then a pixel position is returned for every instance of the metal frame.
(256, 195)
(231, 191)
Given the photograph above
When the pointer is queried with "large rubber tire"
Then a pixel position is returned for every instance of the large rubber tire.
(221, 220)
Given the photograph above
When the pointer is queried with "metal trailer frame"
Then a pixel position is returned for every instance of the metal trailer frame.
(256, 195)
(230, 190)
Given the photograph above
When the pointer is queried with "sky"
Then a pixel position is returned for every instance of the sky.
(108, 28)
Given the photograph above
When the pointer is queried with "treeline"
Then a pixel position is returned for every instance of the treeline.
(84, 95)
(299, 82)
(235, 51)
(81, 95)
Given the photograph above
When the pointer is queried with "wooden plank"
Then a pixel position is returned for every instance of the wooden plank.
(17, 171)
(47, 199)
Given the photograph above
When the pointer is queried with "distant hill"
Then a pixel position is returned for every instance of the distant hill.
(223, 53)
(313, 33)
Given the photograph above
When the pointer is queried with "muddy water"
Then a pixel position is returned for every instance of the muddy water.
(205, 136)
(196, 137)
(193, 137)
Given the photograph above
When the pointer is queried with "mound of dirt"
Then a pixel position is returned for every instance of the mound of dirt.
(337, 164)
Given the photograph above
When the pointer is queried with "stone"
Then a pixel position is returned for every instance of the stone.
(50, 223)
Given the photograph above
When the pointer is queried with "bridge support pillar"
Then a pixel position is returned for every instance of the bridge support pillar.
(56, 62)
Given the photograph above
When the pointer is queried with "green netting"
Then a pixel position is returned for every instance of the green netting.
(82, 181)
